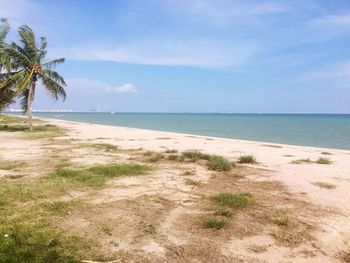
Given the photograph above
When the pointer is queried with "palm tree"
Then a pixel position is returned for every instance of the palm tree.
(28, 66)
(6, 95)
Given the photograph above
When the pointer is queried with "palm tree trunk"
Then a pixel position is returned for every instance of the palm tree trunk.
(29, 105)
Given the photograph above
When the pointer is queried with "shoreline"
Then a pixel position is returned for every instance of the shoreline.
(198, 134)
(195, 135)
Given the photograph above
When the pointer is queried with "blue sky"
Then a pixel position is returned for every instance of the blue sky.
(195, 55)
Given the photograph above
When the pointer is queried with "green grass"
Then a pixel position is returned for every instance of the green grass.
(10, 165)
(11, 124)
(194, 156)
(216, 222)
(27, 233)
(281, 218)
(232, 200)
(9, 119)
(150, 229)
(174, 157)
(325, 185)
(57, 207)
(100, 146)
(219, 163)
(153, 157)
(247, 159)
(171, 151)
(323, 160)
(96, 176)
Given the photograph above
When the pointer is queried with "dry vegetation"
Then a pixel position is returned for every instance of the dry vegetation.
(136, 206)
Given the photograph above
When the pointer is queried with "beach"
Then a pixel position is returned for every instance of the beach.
(170, 201)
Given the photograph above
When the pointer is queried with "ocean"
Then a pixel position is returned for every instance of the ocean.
(318, 130)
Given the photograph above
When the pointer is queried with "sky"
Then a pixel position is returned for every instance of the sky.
(235, 56)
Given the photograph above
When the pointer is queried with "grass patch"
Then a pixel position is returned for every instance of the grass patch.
(219, 163)
(281, 218)
(247, 159)
(58, 207)
(150, 229)
(153, 157)
(232, 200)
(100, 146)
(326, 153)
(300, 161)
(194, 156)
(96, 176)
(323, 160)
(216, 222)
(325, 185)
(287, 237)
(27, 231)
(175, 157)
(10, 165)
(9, 119)
(171, 151)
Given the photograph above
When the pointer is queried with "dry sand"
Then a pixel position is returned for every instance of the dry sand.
(316, 194)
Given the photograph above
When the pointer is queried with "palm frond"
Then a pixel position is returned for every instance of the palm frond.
(27, 38)
(42, 50)
(53, 63)
(55, 89)
(18, 55)
(4, 29)
(55, 77)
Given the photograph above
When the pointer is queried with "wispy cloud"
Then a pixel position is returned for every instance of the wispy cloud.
(90, 86)
(337, 71)
(18, 11)
(125, 88)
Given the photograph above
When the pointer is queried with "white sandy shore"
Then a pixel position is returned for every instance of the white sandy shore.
(274, 158)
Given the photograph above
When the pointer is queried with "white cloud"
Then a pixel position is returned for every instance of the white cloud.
(126, 88)
(95, 86)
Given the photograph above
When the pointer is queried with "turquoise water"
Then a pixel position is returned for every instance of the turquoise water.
(320, 130)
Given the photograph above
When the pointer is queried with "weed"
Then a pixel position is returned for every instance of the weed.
(322, 160)
(281, 218)
(325, 185)
(153, 157)
(216, 222)
(247, 159)
(100, 146)
(96, 176)
(287, 237)
(232, 200)
(171, 151)
(194, 156)
(150, 229)
(219, 163)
